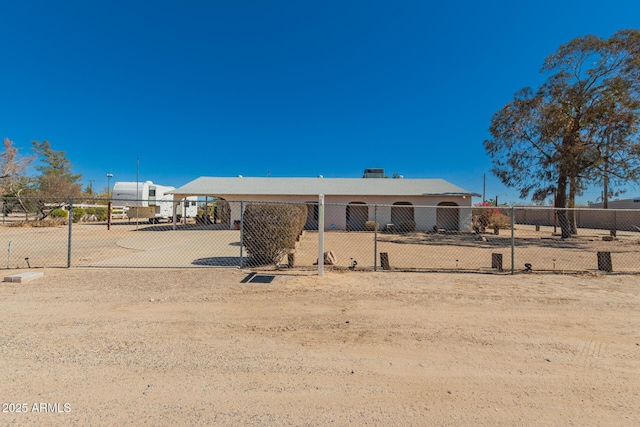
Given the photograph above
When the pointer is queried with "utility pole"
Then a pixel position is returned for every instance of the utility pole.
(484, 188)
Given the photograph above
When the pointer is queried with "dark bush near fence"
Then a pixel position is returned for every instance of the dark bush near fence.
(78, 214)
(59, 213)
(99, 213)
(270, 231)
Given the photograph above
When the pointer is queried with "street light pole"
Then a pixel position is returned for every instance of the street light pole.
(109, 176)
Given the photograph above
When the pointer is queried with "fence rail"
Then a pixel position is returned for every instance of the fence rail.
(38, 233)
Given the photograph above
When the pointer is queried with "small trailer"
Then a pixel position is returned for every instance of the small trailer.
(150, 201)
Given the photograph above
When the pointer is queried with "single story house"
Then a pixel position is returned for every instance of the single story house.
(349, 202)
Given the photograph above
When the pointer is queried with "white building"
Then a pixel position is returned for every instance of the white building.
(349, 202)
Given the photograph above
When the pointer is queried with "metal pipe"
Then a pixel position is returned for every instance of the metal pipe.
(69, 236)
(241, 232)
(321, 235)
(375, 237)
(513, 240)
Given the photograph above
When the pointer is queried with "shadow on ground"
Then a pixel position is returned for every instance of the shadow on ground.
(258, 278)
(220, 261)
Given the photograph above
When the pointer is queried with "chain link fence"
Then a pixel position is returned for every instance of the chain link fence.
(401, 237)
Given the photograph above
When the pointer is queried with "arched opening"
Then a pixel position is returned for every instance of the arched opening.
(448, 218)
(221, 212)
(402, 216)
(312, 216)
(357, 216)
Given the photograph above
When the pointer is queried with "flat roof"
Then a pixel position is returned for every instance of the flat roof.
(246, 186)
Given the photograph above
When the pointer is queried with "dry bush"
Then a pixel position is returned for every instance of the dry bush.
(371, 226)
(47, 222)
(270, 231)
(498, 220)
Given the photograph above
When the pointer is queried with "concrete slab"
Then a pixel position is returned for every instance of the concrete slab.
(24, 277)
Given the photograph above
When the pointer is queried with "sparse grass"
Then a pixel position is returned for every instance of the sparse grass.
(47, 222)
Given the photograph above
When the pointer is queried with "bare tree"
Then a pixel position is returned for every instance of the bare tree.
(12, 169)
(13, 180)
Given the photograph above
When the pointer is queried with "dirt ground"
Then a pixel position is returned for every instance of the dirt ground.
(229, 347)
(126, 245)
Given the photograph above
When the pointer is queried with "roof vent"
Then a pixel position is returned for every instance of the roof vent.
(320, 176)
(239, 176)
(373, 173)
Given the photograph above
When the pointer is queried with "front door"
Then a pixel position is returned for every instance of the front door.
(357, 216)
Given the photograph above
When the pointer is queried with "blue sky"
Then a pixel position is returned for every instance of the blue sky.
(288, 88)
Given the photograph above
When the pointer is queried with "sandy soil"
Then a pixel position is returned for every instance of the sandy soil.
(222, 347)
(192, 246)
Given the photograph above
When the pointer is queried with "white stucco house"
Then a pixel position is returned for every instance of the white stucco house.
(349, 202)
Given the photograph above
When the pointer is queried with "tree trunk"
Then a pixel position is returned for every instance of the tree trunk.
(561, 204)
(605, 192)
(571, 215)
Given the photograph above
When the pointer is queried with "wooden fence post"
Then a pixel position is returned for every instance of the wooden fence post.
(384, 260)
(604, 262)
(496, 261)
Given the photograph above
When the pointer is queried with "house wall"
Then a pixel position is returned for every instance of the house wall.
(619, 204)
(604, 219)
(335, 208)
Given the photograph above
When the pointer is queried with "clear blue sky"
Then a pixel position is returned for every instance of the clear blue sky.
(287, 88)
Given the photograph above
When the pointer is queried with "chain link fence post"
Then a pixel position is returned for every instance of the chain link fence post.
(241, 264)
(375, 237)
(513, 240)
(320, 234)
(69, 234)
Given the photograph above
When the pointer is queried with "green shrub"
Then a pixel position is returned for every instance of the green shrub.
(59, 213)
(270, 231)
(100, 213)
(78, 213)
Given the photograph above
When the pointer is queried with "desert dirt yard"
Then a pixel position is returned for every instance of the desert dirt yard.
(231, 347)
(157, 246)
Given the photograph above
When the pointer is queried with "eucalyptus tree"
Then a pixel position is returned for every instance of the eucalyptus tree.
(616, 141)
(552, 141)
